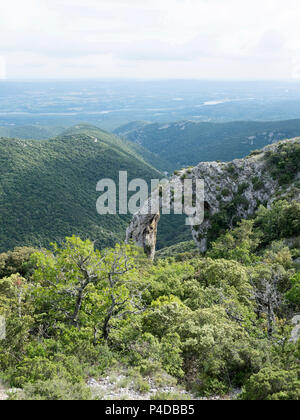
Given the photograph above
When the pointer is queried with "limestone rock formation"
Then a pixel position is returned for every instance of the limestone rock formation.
(143, 232)
(236, 188)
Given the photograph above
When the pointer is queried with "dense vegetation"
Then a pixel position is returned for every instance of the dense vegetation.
(285, 162)
(212, 322)
(48, 188)
(30, 131)
(188, 143)
(81, 308)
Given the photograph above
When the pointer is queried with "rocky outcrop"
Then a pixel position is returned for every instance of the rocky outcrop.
(296, 331)
(234, 188)
(143, 232)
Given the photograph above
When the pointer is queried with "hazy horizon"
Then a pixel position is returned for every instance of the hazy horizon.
(120, 79)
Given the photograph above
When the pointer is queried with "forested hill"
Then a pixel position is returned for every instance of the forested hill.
(48, 188)
(39, 132)
(187, 143)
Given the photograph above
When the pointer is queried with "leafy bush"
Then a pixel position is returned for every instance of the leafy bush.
(273, 384)
(55, 389)
(293, 295)
(258, 183)
(284, 162)
(209, 322)
(239, 244)
(31, 370)
(226, 192)
(170, 396)
(17, 262)
(282, 220)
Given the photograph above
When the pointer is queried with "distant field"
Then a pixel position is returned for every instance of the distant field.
(110, 104)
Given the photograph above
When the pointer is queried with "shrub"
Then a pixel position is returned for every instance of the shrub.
(43, 369)
(257, 182)
(273, 384)
(226, 192)
(243, 187)
(280, 221)
(285, 162)
(56, 389)
(170, 396)
(293, 295)
(17, 262)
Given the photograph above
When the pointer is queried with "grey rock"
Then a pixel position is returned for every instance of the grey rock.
(218, 177)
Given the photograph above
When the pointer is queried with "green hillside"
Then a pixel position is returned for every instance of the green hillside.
(48, 188)
(38, 132)
(187, 143)
(153, 159)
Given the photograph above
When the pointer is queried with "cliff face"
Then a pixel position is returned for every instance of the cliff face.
(143, 232)
(233, 191)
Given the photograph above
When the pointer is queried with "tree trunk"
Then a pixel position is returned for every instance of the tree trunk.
(77, 308)
(105, 328)
(270, 320)
(95, 336)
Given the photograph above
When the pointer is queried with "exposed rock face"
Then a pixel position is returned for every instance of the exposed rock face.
(143, 231)
(237, 187)
(296, 330)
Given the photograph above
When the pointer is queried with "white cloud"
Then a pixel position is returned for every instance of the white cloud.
(150, 38)
(2, 67)
(296, 68)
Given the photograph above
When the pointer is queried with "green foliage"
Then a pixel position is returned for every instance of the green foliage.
(230, 276)
(226, 192)
(212, 343)
(30, 131)
(53, 320)
(257, 182)
(285, 162)
(243, 187)
(84, 287)
(293, 295)
(16, 261)
(78, 309)
(186, 143)
(55, 389)
(282, 220)
(211, 323)
(227, 217)
(179, 250)
(238, 244)
(48, 188)
(273, 384)
(170, 396)
(58, 196)
(171, 355)
(278, 253)
(33, 369)
(17, 310)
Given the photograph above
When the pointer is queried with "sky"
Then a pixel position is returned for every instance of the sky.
(150, 39)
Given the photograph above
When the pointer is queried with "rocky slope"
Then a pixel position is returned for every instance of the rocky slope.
(121, 388)
(233, 190)
(3, 394)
